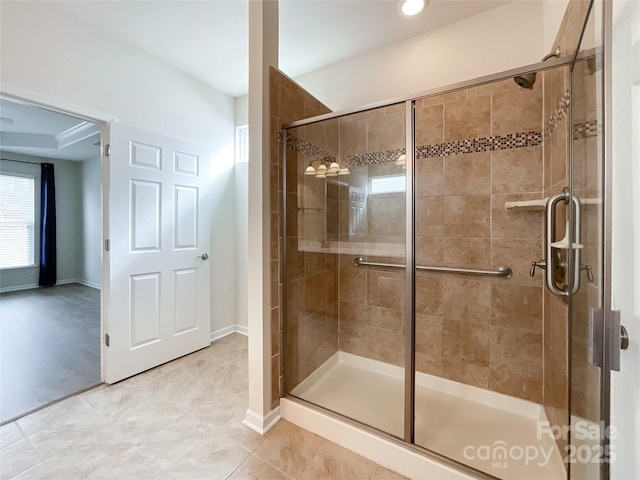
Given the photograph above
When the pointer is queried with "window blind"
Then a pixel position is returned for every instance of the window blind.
(17, 212)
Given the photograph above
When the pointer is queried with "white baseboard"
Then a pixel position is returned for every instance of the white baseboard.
(17, 288)
(65, 281)
(87, 283)
(261, 424)
(241, 329)
(223, 332)
(378, 449)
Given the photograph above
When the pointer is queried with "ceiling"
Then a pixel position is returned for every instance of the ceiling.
(35, 131)
(209, 39)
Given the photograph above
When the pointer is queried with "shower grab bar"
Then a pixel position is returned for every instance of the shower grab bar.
(502, 271)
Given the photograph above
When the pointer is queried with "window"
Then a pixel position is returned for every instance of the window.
(17, 212)
(387, 184)
(242, 144)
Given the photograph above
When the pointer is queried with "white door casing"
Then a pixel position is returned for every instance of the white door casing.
(158, 306)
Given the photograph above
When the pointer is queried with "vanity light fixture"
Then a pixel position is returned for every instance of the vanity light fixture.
(408, 8)
(323, 170)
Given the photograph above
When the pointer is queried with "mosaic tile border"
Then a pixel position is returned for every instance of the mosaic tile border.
(586, 130)
(460, 147)
(374, 158)
(483, 144)
(562, 109)
(475, 145)
(309, 149)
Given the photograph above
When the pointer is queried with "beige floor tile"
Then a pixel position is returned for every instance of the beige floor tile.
(116, 401)
(214, 459)
(255, 469)
(53, 415)
(336, 462)
(17, 458)
(10, 433)
(182, 420)
(173, 441)
(289, 448)
(381, 473)
(51, 441)
(243, 436)
(86, 456)
(133, 464)
(39, 472)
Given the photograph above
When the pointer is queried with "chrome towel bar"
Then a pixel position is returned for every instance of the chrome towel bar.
(501, 271)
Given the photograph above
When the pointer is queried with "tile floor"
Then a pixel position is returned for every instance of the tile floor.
(178, 421)
(49, 346)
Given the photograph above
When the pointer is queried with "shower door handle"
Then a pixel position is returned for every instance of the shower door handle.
(576, 248)
(550, 235)
(553, 258)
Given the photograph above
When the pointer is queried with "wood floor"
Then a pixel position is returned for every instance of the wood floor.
(49, 346)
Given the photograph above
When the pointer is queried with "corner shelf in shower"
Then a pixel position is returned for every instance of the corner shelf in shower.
(539, 205)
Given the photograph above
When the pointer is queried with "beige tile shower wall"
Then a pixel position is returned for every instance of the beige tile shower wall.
(571, 26)
(480, 331)
(555, 314)
(474, 330)
(308, 272)
(372, 299)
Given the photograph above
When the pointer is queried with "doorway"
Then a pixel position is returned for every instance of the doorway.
(50, 330)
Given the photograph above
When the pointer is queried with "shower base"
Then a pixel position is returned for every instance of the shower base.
(480, 428)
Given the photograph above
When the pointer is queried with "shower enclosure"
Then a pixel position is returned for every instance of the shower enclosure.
(442, 265)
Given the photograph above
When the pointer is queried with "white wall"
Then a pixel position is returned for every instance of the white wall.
(552, 15)
(51, 52)
(500, 39)
(625, 258)
(241, 110)
(67, 178)
(90, 265)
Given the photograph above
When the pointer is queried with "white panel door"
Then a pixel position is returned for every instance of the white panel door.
(158, 298)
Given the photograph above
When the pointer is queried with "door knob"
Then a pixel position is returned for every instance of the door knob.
(204, 256)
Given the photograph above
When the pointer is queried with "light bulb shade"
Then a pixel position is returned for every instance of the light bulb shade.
(334, 167)
(344, 171)
(332, 174)
(402, 160)
(321, 175)
(322, 169)
(310, 170)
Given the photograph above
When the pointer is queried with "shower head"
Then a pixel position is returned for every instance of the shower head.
(525, 81)
(528, 79)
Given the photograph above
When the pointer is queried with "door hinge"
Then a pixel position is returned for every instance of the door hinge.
(615, 337)
(107, 150)
(107, 245)
(107, 339)
(596, 332)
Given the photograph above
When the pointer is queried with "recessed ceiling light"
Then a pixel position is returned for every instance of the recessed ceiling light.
(409, 8)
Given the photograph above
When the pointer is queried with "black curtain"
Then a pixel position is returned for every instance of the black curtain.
(48, 258)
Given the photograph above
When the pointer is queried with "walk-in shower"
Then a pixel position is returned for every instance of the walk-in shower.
(408, 237)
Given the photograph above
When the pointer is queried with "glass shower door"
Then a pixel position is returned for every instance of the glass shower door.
(345, 255)
(479, 336)
(588, 455)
